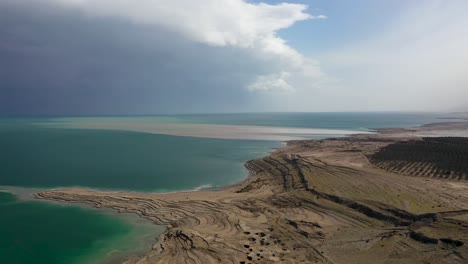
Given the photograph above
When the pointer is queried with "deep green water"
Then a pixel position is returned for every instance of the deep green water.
(40, 232)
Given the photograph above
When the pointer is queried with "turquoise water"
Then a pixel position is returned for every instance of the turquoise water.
(352, 121)
(40, 232)
(49, 157)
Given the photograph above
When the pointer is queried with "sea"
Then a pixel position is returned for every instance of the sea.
(137, 153)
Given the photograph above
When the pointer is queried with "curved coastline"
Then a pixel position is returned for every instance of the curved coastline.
(137, 239)
(302, 194)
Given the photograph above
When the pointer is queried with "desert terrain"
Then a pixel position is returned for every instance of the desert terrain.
(391, 197)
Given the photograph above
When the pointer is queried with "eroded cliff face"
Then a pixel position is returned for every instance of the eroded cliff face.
(309, 202)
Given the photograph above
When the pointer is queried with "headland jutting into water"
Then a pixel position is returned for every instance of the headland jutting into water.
(381, 198)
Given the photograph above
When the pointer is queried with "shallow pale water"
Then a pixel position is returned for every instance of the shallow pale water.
(255, 126)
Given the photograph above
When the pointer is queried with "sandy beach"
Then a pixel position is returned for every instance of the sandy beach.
(316, 201)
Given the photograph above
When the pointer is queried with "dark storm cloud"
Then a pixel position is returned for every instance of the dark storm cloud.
(56, 61)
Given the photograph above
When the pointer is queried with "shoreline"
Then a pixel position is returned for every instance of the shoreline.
(294, 203)
(141, 228)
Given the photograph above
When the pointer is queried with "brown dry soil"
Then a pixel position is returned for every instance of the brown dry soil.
(309, 202)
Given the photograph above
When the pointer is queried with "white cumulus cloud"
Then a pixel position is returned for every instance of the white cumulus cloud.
(271, 82)
(236, 23)
(222, 23)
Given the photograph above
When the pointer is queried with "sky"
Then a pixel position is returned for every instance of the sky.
(131, 57)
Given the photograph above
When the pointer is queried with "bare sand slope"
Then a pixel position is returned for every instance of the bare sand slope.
(308, 202)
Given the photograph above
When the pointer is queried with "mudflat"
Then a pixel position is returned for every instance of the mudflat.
(344, 200)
